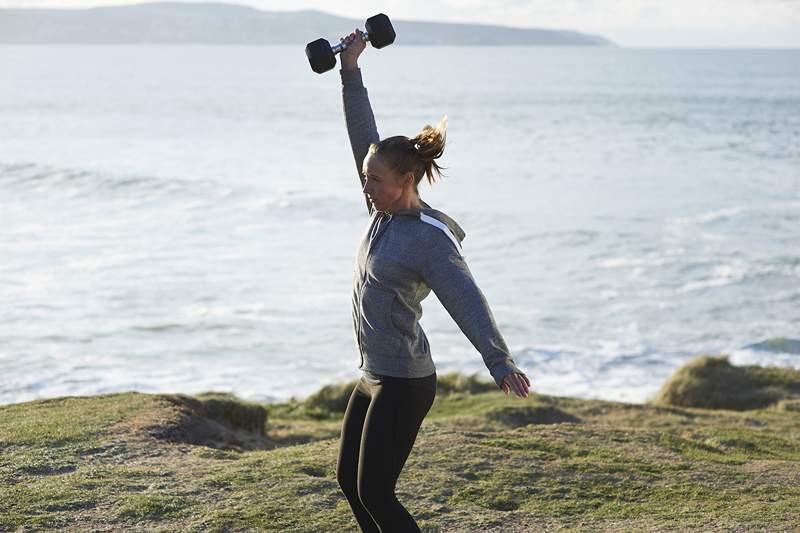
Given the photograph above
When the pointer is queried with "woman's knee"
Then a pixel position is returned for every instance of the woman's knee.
(375, 494)
(346, 480)
(370, 500)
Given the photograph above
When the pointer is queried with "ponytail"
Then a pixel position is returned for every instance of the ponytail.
(416, 154)
(430, 146)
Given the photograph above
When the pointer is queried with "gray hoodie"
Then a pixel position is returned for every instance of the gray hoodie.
(402, 256)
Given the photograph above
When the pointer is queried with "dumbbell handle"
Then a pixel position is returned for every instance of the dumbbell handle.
(343, 46)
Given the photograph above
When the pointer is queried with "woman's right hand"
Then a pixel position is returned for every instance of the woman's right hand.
(517, 382)
(355, 45)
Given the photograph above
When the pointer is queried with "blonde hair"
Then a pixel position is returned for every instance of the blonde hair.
(416, 154)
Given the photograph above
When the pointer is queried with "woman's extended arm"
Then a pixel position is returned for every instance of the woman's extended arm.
(358, 114)
(446, 272)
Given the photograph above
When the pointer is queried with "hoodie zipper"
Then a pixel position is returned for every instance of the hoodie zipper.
(364, 283)
(360, 296)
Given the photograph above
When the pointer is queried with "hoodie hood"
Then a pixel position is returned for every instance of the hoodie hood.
(435, 213)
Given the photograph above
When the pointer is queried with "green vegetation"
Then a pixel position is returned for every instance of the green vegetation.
(713, 382)
(482, 461)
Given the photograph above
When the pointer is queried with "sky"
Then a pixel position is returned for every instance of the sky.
(634, 23)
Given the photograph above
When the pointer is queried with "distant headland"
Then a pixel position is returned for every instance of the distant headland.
(222, 23)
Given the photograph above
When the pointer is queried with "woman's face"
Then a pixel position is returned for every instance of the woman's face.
(381, 186)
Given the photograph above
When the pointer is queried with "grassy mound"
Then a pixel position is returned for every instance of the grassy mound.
(218, 420)
(329, 399)
(713, 382)
(482, 462)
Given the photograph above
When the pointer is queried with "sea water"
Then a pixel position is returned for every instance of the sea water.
(185, 218)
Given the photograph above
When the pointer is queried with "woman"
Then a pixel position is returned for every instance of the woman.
(408, 249)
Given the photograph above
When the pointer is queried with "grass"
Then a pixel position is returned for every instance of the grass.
(482, 462)
(715, 383)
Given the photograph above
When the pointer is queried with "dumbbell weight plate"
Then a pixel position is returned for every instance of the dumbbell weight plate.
(320, 56)
(380, 31)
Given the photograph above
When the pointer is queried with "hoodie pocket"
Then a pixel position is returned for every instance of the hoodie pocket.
(379, 337)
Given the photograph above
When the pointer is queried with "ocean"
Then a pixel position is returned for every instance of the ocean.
(185, 218)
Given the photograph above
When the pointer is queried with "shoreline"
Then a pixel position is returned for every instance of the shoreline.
(771, 351)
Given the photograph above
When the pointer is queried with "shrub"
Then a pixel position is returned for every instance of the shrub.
(713, 382)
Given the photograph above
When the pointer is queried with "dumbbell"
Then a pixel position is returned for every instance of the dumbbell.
(321, 55)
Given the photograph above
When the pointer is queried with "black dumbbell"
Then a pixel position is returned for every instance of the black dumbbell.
(321, 55)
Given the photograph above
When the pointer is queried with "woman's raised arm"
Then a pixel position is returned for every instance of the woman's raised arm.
(358, 114)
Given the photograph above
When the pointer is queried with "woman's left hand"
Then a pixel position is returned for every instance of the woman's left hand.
(517, 382)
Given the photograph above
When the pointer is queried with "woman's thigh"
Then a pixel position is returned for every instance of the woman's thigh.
(392, 422)
(352, 427)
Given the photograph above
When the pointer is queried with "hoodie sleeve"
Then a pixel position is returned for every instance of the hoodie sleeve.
(445, 271)
(359, 119)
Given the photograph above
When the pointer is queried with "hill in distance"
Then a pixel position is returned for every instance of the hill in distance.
(222, 23)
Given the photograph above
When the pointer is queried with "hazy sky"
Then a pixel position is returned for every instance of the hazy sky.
(682, 23)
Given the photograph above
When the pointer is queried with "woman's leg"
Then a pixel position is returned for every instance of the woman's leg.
(349, 445)
(392, 422)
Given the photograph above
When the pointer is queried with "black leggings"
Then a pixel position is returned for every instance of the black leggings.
(380, 425)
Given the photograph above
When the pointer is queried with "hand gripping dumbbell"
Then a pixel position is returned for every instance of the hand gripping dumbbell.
(321, 55)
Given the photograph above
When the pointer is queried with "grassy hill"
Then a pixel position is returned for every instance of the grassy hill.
(482, 461)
